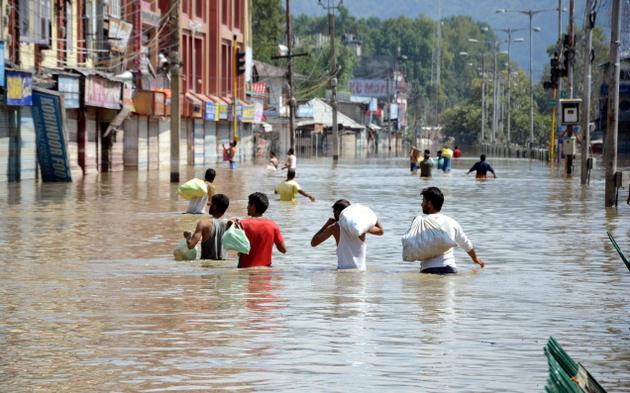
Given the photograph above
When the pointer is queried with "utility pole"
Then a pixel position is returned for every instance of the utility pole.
(570, 52)
(610, 143)
(290, 76)
(558, 114)
(483, 99)
(175, 88)
(509, 91)
(495, 94)
(589, 23)
(330, 7)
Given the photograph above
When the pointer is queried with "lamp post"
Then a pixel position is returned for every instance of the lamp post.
(509, 32)
(530, 13)
(329, 5)
(483, 94)
(495, 47)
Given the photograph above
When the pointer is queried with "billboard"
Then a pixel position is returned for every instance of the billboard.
(19, 88)
(369, 88)
(52, 153)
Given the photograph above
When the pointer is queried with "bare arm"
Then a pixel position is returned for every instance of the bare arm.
(377, 229)
(306, 195)
(192, 240)
(326, 231)
(475, 258)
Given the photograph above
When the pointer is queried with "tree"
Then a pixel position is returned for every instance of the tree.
(267, 28)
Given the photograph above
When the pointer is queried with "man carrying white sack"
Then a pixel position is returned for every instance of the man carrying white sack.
(349, 227)
(432, 237)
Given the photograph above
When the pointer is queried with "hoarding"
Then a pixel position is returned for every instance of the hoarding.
(52, 152)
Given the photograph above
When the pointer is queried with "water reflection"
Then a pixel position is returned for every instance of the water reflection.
(93, 301)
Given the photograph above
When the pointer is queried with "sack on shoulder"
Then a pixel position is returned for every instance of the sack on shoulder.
(236, 239)
(425, 240)
(193, 188)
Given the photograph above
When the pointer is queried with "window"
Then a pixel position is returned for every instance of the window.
(199, 8)
(224, 12)
(198, 65)
(237, 13)
(114, 8)
(34, 19)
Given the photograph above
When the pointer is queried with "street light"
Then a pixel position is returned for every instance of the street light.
(509, 40)
(530, 13)
(495, 47)
(483, 92)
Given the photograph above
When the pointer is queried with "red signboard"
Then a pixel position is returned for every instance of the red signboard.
(102, 92)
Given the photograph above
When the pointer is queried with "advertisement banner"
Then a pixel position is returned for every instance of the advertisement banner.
(258, 113)
(19, 88)
(69, 87)
(1, 63)
(368, 87)
(52, 152)
(210, 112)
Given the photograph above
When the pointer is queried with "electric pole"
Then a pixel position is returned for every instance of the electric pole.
(175, 88)
(570, 52)
(290, 76)
(589, 23)
(330, 7)
(610, 142)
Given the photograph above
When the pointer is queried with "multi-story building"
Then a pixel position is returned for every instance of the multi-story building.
(108, 62)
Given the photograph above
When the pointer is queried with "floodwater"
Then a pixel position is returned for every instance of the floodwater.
(93, 301)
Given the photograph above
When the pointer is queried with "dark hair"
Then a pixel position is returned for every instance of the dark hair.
(210, 174)
(234, 142)
(435, 196)
(291, 174)
(340, 205)
(272, 154)
(427, 151)
(483, 157)
(439, 153)
(426, 156)
(291, 151)
(220, 202)
(260, 201)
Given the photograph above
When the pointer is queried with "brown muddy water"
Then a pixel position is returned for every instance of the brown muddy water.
(92, 299)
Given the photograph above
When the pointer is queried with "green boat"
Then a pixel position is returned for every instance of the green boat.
(566, 375)
(614, 243)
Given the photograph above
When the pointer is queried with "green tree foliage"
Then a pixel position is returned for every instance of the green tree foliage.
(267, 28)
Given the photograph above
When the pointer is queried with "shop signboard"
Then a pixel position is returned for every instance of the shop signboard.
(48, 118)
(101, 92)
(223, 111)
(305, 110)
(248, 113)
(210, 112)
(68, 86)
(19, 88)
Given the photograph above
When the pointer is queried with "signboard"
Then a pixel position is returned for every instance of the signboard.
(52, 154)
(368, 87)
(248, 113)
(223, 111)
(119, 33)
(1, 63)
(102, 92)
(19, 88)
(373, 105)
(68, 86)
(210, 112)
(304, 110)
(258, 112)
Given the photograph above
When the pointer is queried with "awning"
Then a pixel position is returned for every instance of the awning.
(192, 97)
(259, 88)
(118, 120)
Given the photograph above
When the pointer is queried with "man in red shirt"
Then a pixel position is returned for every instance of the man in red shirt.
(261, 232)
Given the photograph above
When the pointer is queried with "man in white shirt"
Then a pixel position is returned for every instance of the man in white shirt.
(351, 250)
(291, 160)
(432, 201)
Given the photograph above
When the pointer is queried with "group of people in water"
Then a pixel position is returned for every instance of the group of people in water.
(443, 162)
(263, 233)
